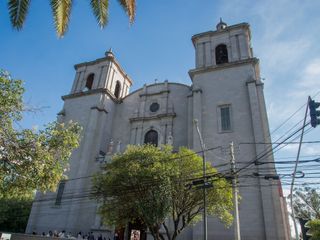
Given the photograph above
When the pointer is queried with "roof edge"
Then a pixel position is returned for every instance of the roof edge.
(227, 29)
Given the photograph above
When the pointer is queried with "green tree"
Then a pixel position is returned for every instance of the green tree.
(149, 184)
(30, 160)
(314, 230)
(14, 214)
(306, 203)
(61, 10)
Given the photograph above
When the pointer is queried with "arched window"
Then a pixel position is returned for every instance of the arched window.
(151, 137)
(221, 54)
(117, 89)
(89, 81)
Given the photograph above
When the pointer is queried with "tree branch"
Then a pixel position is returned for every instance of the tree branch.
(167, 230)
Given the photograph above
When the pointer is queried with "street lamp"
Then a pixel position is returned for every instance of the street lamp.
(195, 121)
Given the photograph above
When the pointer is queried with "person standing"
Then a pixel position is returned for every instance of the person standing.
(116, 236)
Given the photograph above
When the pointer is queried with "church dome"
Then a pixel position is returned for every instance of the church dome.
(221, 25)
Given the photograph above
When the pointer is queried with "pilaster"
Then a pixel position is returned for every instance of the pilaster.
(274, 228)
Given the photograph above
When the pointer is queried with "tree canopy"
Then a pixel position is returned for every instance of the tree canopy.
(150, 185)
(61, 10)
(306, 203)
(14, 214)
(314, 229)
(30, 159)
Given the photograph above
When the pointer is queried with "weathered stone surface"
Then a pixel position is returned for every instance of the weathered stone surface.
(126, 120)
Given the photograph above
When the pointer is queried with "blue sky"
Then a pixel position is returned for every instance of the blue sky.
(285, 36)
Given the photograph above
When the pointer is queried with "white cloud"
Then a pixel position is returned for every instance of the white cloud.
(310, 76)
(294, 95)
(285, 39)
(313, 69)
(311, 150)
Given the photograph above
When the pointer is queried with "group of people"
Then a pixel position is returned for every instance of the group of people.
(80, 235)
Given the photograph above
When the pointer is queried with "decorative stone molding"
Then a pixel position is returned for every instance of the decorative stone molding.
(193, 72)
(91, 92)
(158, 116)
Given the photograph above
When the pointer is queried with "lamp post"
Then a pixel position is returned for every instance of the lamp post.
(205, 237)
(237, 235)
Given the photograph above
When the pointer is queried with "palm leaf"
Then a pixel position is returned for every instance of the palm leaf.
(61, 10)
(129, 7)
(100, 11)
(18, 10)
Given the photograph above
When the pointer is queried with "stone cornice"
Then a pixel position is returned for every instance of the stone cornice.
(105, 59)
(158, 116)
(91, 92)
(155, 93)
(196, 90)
(169, 83)
(195, 71)
(100, 109)
(216, 32)
(62, 113)
(255, 82)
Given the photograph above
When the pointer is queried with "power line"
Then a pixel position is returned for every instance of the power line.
(175, 158)
(272, 151)
(81, 196)
(271, 143)
(256, 159)
(214, 174)
(210, 174)
(292, 115)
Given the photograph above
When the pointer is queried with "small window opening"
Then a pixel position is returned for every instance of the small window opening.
(89, 81)
(225, 118)
(221, 54)
(60, 192)
(154, 107)
(151, 137)
(117, 90)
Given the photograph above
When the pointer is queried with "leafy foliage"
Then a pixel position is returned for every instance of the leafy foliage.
(129, 7)
(30, 160)
(149, 184)
(18, 10)
(306, 203)
(100, 11)
(314, 230)
(61, 9)
(14, 214)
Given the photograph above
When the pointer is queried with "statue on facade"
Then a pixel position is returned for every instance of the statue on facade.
(118, 147)
(170, 139)
(110, 147)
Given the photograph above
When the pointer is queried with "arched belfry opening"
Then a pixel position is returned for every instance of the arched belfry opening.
(221, 54)
(117, 89)
(89, 81)
(151, 137)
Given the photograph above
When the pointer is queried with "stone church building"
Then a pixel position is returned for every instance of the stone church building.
(226, 97)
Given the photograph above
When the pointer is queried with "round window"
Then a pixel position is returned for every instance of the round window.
(154, 107)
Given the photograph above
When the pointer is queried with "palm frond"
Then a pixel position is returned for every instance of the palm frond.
(61, 10)
(129, 7)
(100, 11)
(18, 10)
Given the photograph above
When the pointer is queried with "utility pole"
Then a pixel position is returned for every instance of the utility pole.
(205, 223)
(235, 194)
(295, 170)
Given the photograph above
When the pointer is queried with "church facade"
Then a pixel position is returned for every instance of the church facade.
(226, 97)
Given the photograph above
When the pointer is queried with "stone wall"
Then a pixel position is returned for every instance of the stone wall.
(21, 236)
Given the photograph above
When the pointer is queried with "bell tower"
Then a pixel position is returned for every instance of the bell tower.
(228, 101)
(103, 74)
(99, 86)
(226, 44)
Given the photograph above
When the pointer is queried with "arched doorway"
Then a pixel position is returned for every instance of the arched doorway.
(151, 137)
